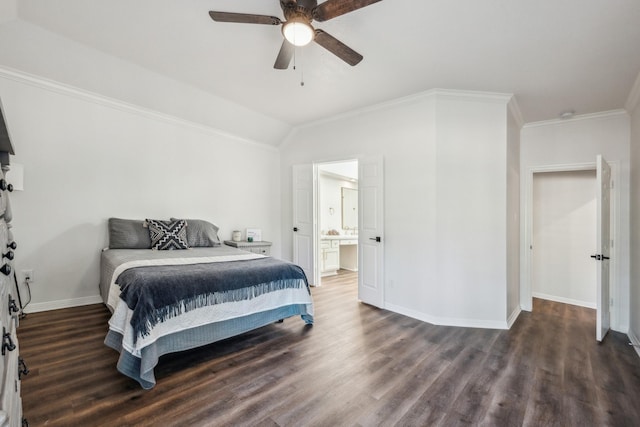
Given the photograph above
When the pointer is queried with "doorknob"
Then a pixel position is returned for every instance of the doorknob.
(295, 228)
(377, 239)
(596, 257)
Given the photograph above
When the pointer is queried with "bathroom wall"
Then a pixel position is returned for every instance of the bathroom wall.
(330, 203)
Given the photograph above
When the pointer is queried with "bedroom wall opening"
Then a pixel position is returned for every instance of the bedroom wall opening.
(564, 237)
(337, 223)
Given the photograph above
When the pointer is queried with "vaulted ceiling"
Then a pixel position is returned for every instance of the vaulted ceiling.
(553, 56)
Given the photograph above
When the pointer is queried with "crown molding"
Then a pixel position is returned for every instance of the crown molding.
(105, 101)
(591, 116)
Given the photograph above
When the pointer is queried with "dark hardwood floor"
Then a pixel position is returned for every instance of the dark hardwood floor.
(357, 365)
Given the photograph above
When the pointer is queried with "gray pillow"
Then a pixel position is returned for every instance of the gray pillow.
(128, 234)
(201, 233)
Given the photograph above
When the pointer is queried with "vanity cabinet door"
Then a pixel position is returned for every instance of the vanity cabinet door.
(332, 259)
(329, 256)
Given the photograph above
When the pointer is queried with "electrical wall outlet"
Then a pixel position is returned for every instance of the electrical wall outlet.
(28, 276)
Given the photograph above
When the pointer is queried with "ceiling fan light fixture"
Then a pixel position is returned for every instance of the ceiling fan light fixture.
(298, 31)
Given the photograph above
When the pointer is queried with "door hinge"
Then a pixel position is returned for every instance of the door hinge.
(611, 302)
(612, 184)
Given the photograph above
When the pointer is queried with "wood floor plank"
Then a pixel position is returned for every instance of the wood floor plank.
(357, 365)
(397, 401)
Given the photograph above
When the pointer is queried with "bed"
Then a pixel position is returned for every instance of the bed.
(165, 301)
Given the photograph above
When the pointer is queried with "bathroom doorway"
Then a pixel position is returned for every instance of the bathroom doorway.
(337, 225)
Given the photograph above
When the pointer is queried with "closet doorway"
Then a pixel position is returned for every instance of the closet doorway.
(603, 254)
(564, 238)
(337, 225)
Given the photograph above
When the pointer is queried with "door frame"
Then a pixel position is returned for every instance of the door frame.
(526, 255)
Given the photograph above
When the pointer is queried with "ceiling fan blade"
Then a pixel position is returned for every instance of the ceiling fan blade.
(338, 48)
(284, 56)
(244, 18)
(332, 8)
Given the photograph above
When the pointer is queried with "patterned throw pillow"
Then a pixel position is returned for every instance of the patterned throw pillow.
(167, 235)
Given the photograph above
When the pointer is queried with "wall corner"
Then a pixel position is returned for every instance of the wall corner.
(634, 96)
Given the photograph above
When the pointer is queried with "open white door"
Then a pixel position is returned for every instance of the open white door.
(603, 179)
(303, 219)
(370, 231)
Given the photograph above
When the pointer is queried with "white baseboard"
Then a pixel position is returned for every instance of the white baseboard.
(513, 317)
(447, 321)
(564, 300)
(634, 340)
(64, 303)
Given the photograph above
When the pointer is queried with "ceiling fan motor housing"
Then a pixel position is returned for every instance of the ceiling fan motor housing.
(301, 9)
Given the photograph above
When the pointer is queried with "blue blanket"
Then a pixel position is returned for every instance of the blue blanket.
(157, 293)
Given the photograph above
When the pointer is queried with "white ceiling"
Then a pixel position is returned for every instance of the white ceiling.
(581, 55)
(347, 169)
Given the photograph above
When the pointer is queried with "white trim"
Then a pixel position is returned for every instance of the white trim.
(634, 340)
(564, 300)
(513, 317)
(526, 291)
(615, 273)
(634, 96)
(564, 167)
(448, 321)
(105, 101)
(63, 303)
(316, 250)
(591, 116)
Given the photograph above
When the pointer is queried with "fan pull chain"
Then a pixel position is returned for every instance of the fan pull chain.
(302, 71)
(295, 56)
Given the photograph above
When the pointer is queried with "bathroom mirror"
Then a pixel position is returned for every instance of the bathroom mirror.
(349, 208)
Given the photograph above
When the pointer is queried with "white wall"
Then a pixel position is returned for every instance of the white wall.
(87, 159)
(579, 141)
(445, 168)
(634, 321)
(471, 210)
(404, 134)
(331, 198)
(564, 238)
(31, 49)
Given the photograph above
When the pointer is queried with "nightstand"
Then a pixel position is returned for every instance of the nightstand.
(262, 248)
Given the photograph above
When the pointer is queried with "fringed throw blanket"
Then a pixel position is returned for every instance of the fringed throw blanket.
(157, 293)
(169, 301)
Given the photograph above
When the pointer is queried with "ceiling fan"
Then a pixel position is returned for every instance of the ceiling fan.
(297, 29)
